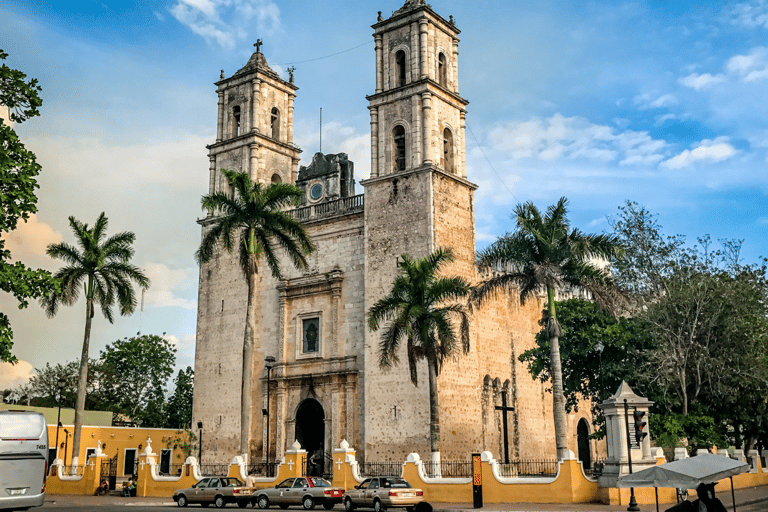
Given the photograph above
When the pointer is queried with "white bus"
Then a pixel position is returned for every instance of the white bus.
(23, 459)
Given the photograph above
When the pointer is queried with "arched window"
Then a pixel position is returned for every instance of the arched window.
(398, 147)
(275, 123)
(236, 121)
(400, 68)
(442, 70)
(276, 178)
(448, 151)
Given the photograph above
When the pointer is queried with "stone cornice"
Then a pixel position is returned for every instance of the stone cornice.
(419, 170)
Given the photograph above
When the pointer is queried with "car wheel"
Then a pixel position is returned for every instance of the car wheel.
(263, 502)
(220, 503)
(182, 501)
(308, 503)
(328, 506)
(377, 505)
(348, 505)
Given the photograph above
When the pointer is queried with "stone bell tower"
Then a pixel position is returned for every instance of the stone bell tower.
(255, 125)
(417, 198)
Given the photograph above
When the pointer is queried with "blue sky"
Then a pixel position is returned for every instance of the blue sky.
(663, 103)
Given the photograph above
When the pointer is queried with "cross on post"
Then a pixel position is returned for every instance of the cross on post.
(339, 462)
(258, 44)
(290, 465)
(504, 410)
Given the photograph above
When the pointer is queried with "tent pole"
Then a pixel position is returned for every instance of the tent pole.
(733, 495)
(656, 490)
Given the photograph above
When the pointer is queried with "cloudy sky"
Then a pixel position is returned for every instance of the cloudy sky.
(663, 103)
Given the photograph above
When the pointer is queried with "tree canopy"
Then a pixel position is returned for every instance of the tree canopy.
(18, 182)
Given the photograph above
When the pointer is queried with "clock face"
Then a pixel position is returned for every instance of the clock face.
(316, 191)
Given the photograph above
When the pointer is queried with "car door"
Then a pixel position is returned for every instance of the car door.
(372, 492)
(210, 492)
(196, 496)
(300, 485)
(281, 493)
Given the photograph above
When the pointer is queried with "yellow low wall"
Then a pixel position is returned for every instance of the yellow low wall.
(58, 483)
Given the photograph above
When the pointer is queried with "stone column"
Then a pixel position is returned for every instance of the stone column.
(253, 161)
(281, 323)
(426, 125)
(335, 414)
(463, 142)
(335, 308)
(414, 60)
(220, 122)
(423, 34)
(289, 121)
(212, 175)
(379, 65)
(456, 66)
(375, 136)
(280, 420)
(255, 96)
(290, 433)
(349, 392)
(417, 145)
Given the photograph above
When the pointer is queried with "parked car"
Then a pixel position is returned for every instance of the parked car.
(218, 490)
(383, 492)
(306, 492)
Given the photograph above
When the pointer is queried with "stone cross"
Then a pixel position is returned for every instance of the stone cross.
(258, 44)
(504, 410)
(290, 465)
(339, 463)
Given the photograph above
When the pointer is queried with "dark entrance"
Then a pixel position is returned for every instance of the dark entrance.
(310, 432)
(582, 435)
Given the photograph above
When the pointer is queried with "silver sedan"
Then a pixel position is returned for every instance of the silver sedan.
(305, 492)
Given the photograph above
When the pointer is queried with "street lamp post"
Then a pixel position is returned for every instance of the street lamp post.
(632, 501)
(200, 444)
(269, 363)
(66, 444)
(60, 385)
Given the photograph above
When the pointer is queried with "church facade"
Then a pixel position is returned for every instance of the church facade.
(325, 384)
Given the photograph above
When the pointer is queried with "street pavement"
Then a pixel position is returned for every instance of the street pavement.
(753, 499)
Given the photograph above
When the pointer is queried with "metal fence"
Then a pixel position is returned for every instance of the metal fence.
(171, 469)
(448, 469)
(529, 468)
(74, 470)
(267, 469)
(596, 469)
(370, 469)
(214, 469)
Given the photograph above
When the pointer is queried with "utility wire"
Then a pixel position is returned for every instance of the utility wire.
(490, 164)
(325, 57)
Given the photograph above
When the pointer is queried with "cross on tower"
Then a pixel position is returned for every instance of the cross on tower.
(258, 44)
(504, 410)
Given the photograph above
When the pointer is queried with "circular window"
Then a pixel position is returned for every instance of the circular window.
(316, 191)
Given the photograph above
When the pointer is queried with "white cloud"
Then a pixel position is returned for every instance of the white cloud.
(12, 375)
(645, 101)
(708, 150)
(750, 67)
(30, 240)
(560, 137)
(750, 14)
(164, 282)
(696, 81)
(225, 22)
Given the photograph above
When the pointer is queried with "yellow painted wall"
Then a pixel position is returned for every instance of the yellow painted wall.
(115, 440)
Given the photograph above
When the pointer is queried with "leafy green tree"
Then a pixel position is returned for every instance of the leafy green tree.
(421, 311)
(18, 182)
(253, 218)
(544, 254)
(101, 267)
(596, 350)
(180, 402)
(142, 365)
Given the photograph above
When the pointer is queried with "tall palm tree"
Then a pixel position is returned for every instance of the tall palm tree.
(255, 219)
(101, 266)
(543, 254)
(421, 311)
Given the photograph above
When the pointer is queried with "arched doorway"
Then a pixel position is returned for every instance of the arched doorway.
(310, 433)
(582, 436)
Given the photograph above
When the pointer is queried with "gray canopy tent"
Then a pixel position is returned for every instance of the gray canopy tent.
(686, 474)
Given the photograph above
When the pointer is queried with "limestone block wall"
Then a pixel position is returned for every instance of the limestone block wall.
(397, 222)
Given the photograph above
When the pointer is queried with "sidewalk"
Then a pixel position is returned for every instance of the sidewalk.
(746, 496)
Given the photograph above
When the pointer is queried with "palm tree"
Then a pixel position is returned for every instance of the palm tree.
(420, 309)
(102, 268)
(542, 255)
(254, 218)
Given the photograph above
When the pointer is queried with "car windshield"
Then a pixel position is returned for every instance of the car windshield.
(397, 482)
(319, 482)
